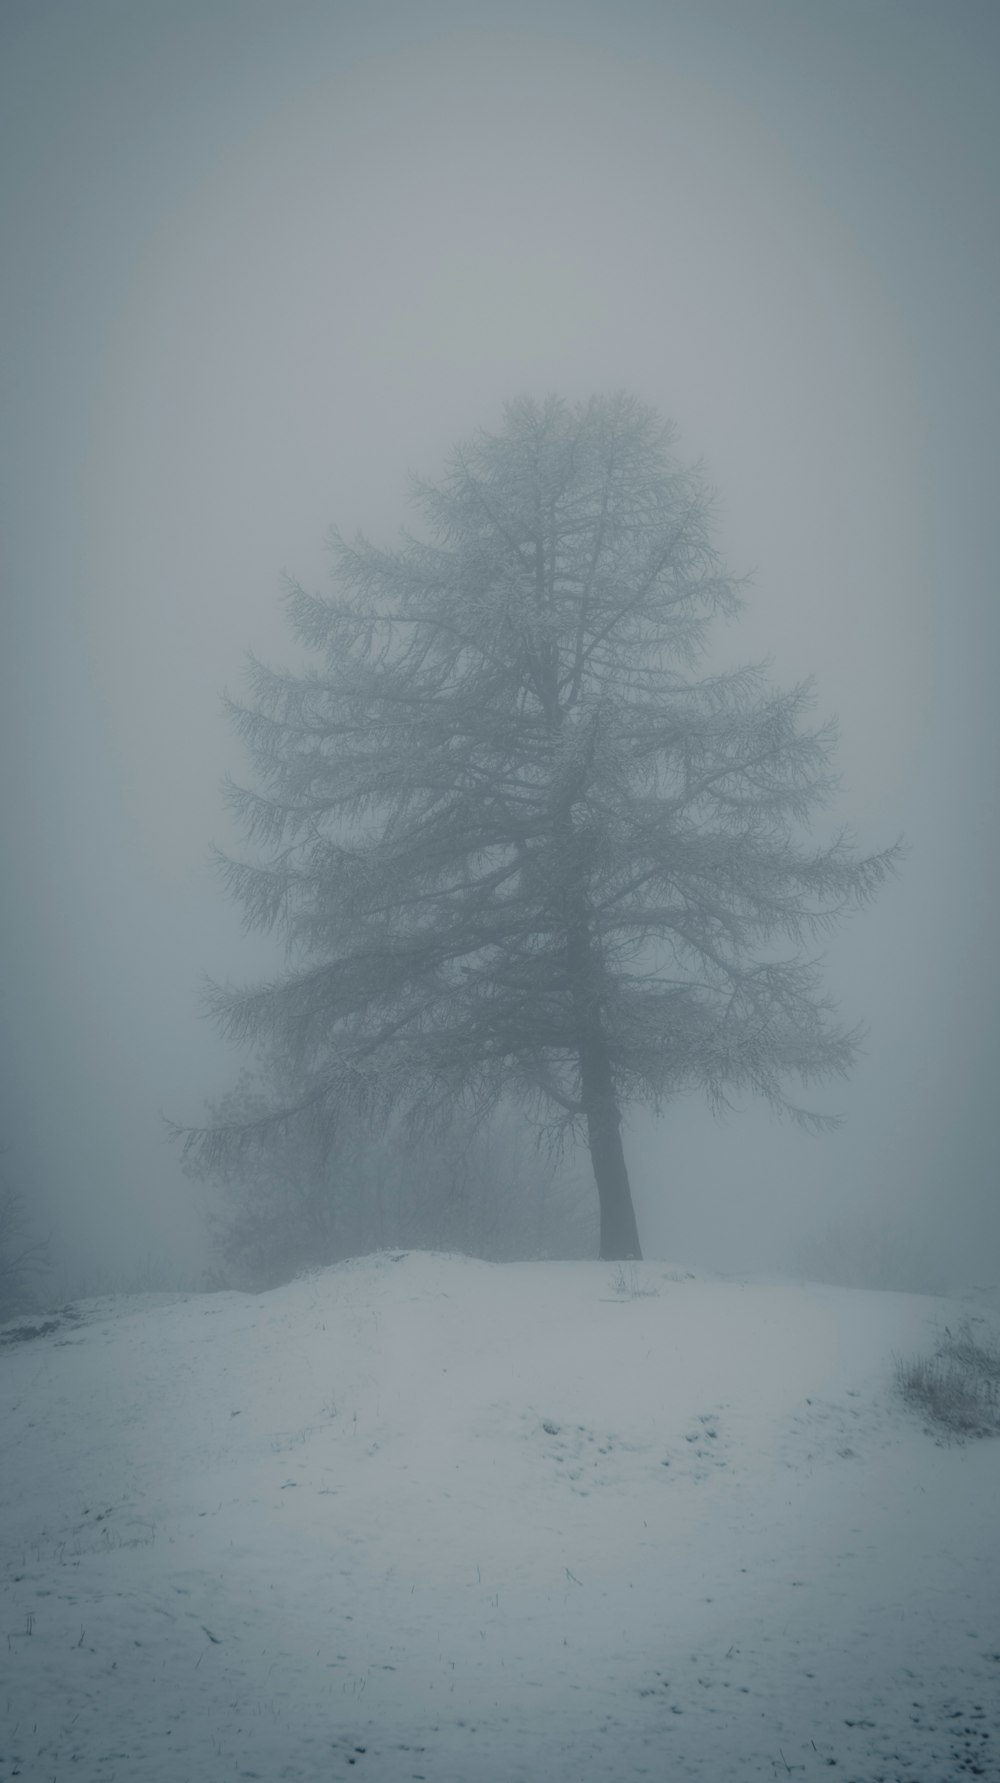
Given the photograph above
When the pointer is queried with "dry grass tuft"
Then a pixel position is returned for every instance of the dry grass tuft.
(958, 1388)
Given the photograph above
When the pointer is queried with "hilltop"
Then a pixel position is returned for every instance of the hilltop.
(421, 1517)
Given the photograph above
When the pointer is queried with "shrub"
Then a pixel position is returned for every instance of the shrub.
(958, 1388)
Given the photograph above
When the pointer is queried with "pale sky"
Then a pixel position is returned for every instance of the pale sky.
(263, 262)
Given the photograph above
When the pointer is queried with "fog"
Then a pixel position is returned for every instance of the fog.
(263, 263)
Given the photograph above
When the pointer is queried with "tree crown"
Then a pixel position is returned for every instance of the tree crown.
(507, 827)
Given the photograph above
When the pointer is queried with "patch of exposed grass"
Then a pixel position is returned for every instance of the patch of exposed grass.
(958, 1388)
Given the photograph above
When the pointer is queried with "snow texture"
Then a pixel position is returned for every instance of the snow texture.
(418, 1517)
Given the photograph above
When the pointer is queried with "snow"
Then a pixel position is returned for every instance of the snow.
(420, 1517)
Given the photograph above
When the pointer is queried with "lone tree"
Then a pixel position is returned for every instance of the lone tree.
(513, 842)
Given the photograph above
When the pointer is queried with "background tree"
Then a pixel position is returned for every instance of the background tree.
(24, 1258)
(514, 843)
(297, 1198)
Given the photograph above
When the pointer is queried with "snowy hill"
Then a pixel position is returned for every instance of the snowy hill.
(419, 1517)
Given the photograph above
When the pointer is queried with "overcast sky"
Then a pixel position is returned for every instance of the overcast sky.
(261, 262)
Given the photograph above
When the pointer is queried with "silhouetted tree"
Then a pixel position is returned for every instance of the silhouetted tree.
(515, 844)
(24, 1259)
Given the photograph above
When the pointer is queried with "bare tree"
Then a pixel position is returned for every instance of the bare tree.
(514, 842)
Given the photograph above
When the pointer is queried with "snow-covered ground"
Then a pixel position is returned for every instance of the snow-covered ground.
(420, 1517)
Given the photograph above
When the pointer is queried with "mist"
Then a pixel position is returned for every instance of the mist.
(263, 266)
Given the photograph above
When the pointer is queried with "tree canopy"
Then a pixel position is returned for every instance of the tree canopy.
(517, 841)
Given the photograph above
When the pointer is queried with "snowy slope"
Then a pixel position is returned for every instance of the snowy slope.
(428, 1518)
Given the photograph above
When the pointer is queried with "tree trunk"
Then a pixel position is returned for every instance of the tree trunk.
(619, 1232)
